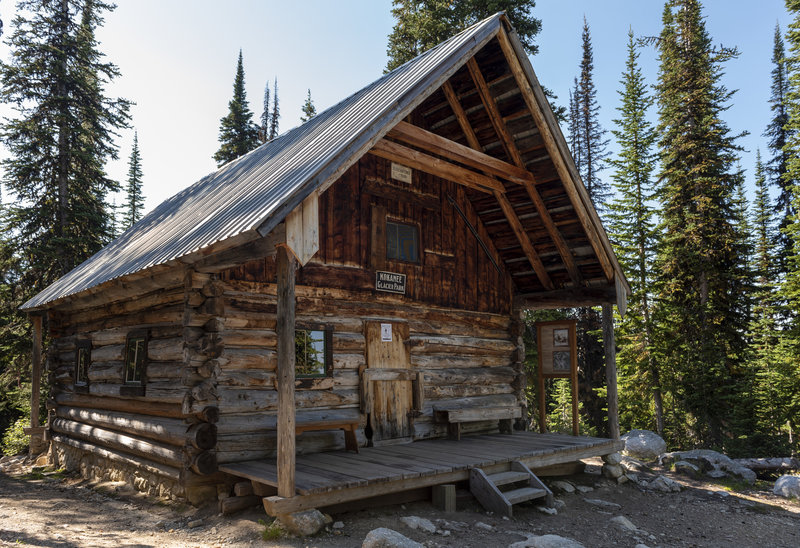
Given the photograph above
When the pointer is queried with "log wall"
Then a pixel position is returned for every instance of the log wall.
(164, 430)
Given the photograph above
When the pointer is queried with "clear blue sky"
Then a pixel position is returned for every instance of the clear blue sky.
(178, 59)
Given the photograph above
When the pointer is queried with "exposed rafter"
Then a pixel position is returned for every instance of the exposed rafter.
(532, 99)
(529, 183)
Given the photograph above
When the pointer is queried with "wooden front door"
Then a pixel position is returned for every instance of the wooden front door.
(387, 392)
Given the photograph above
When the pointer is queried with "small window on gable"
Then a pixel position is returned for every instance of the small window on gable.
(402, 242)
(135, 362)
(313, 353)
(83, 358)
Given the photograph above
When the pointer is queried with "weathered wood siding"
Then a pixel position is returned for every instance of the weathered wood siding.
(163, 429)
(457, 310)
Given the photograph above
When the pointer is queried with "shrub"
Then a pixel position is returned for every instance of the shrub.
(15, 441)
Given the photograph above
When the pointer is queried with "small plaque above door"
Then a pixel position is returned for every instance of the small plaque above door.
(401, 173)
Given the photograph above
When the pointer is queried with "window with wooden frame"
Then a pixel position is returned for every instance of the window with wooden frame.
(402, 241)
(313, 351)
(135, 364)
(83, 358)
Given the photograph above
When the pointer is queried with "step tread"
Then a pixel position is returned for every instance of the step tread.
(525, 493)
(504, 478)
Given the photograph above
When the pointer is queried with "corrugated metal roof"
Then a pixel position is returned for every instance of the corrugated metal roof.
(255, 192)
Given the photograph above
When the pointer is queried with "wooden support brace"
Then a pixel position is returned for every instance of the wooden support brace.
(285, 372)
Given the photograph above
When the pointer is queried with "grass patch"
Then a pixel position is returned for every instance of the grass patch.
(272, 530)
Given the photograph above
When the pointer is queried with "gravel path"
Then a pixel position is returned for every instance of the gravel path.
(64, 512)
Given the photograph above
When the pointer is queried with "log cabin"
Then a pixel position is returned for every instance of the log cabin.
(316, 315)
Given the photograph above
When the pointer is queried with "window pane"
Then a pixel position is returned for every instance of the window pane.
(402, 242)
(309, 353)
(82, 366)
(134, 360)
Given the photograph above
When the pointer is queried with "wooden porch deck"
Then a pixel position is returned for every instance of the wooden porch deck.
(324, 479)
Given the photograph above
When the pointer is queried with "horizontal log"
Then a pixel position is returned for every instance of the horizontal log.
(106, 371)
(141, 302)
(151, 449)
(231, 505)
(167, 430)
(108, 353)
(164, 371)
(773, 463)
(465, 391)
(165, 350)
(149, 408)
(249, 338)
(255, 422)
(147, 319)
(471, 376)
(163, 391)
(448, 360)
(104, 337)
(234, 400)
(459, 345)
(248, 358)
(170, 472)
(348, 361)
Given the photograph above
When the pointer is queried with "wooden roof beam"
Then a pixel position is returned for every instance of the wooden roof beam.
(457, 152)
(436, 166)
(505, 205)
(532, 99)
(513, 152)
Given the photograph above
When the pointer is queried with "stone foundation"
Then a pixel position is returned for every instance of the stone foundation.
(96, 468)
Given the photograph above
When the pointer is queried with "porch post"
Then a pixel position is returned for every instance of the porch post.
(36, 370)
(609, 346)
(286, 265)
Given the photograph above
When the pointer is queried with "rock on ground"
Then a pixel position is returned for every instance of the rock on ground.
(787, 486)
(643, 444)
(546, 541)
(415, 522)
(306, 523)
(663, 484)
(624, 523)
(710, 461)
(561, 486)
(383, 537)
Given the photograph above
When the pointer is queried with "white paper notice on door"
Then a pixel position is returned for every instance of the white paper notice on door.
(386, 332)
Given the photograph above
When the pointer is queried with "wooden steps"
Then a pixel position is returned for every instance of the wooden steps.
(499, 492)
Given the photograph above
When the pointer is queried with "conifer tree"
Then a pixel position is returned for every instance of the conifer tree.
(422, 24)
(275, 115)
(58, 141)
(777, 133)
(263, 128)
(237, 133)
(61, 137)
(632, 230)
(308, 109)
(701, 310)
(134, 200)
(591, 136)
(788, 351)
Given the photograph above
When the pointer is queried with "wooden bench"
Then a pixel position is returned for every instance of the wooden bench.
(348, 426)
(455, 417)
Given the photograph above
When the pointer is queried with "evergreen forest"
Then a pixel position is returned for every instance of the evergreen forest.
(708, 351)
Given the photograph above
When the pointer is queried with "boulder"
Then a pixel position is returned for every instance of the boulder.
(612, 458)
(643, 444)
(787, 486)
(623, 523)
(663, 484)
(305, 523)
(383, 537)
(686, 468)
(612, 471)
(709, 461)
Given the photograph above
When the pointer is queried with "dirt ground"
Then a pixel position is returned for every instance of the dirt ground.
(53, 510)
